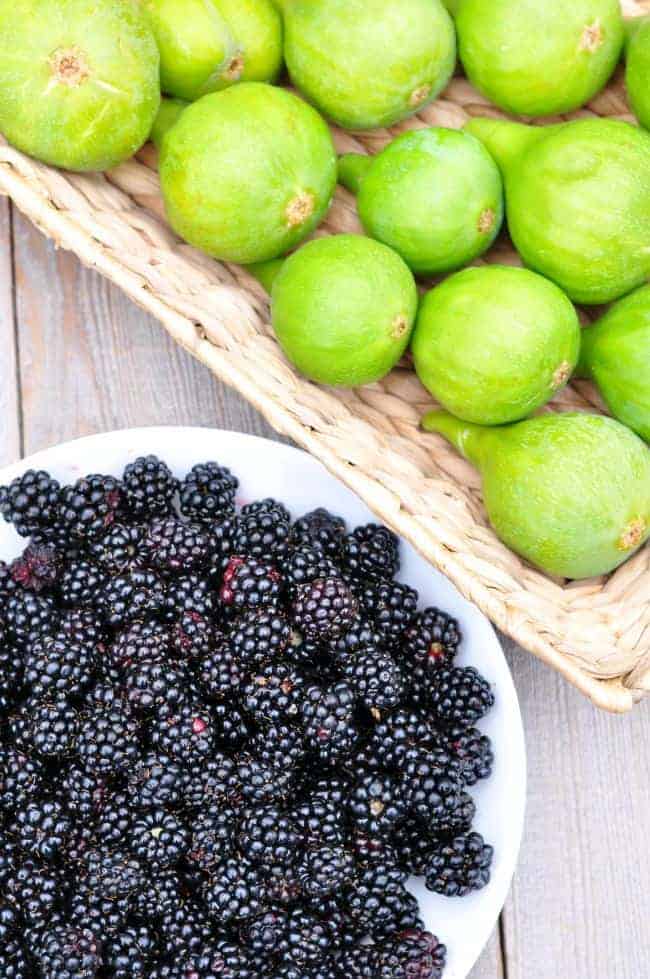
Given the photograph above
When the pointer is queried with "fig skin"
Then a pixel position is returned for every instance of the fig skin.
(615, 354)
(368, 63)
(577, 201)
(433, 195)
(247, 173)
(256, 26)
(343, 308)
(637, 71)
(168, 115)
(78, 97)
(493, 344)
(539, 57)
(569, 492)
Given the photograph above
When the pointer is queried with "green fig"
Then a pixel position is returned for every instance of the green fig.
(256, 26)
(493, 344)
(368, 63)
(577, 201)
(433, 195)
(615, 354)
(78, 80)
(569, 492)
(539, 57)
(168, 115)
(342, 308)
(637, 70)
(247, 173)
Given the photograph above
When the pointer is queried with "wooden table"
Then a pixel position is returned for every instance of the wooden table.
(78, 358)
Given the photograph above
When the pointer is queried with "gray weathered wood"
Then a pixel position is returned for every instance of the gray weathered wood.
(9, 402)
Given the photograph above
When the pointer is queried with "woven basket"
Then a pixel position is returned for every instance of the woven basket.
(596, 633)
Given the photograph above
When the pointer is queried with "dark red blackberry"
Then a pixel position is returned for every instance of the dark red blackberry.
(186, 735)
(83, 793)
(22, 778)
(321, 529)
(151, 684)
(222, 673)
(133, 595)
(41, 829)
(14, 963)
(411, 955)
(210, 781)
(120, 548)
(260, 636)
(376, 679)
(323, 609)
(250, 583)
(141, 641)
(170, 545)
(461, 866)
(30, 502)
(269, 837)
(159, 839)
(213, 836)
(397, 733)
(193, 636)
(208, 492)
(473, 750)
(265, 937)
(29, 616)
(460, 697)
(391, 605)
(376, 805)
(325, 870)
(329, 721)
(68, 951)
(432, 639)
(80, 582)
(273, 694)
(156, 781)
(234, 892)
(38, 568)
(306, 564)
(262, 531)
(89, 507)
(320, 821)
(53, 728)
(56, 667)
(372, 552)
(308, 938)
(127, 954)
(359, 962)
(432, 785)
(108, 741)
(149, 486)
(11, 675)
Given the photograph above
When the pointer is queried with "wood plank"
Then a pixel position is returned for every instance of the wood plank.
(489, 964)
(580, 904)
(9, 400)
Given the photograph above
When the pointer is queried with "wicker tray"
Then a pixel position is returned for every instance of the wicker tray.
(596, 633)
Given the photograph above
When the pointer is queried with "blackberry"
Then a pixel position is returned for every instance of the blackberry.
(111, 874)
(473, 750)
(156, 781)
(279, 746)
(359, 962)
(149, 486)
(232, 726)
(53, 728)
(222, 959)
(41, 828)
(234, 892)
(265, 937)
(308, 938)
(269, 837)
(84, 625)
(460, 697)
(260, 636)
(8, 853)
(397, 733)
(322, 529)
(127, 954)
(30, 502)
(118, 549)
(324, 608)
(161, 896)
(209, 781)
(83, 794)
(22, 778)
(459, 819)
(134, 594)
(38, 568)
(113, 819)
(392, 607)
(261, 780)
(262, 532)
(185, 931)
(432, 785)
(376, 679)
(108, 741)
(29, 616)
(369, 850)
(310, 657)
(432, 639)
(329, 720)
(153, 684)
(360, 636)
(222, 673)
(306, 564)
(282, 885)
(372, 552)
(268, 505)
(80, 582)
(320, 970)
(192, 636)
(69, 952)
(319, 821)
(58, 667)
(8, 921)
(144, 640)
(14, 963)
(250, 583)
(273, 694)
(213, 836)
(413, 846)
(159, 839)
(376, 805)
(380, 903)
(187, 735)
(90, 506)
(461, 866)
(36, 890)
(208, 492)
(325, 870)
(170, 545)
(11, 675)
(413, 954)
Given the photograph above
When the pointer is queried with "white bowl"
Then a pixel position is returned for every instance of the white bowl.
(268, 468)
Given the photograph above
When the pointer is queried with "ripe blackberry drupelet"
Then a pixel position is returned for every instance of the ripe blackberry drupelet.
(30, 502)
(460, 867)
(460, 697)
(208, 492)
(372, 553)
(323, 609)
(149, 487)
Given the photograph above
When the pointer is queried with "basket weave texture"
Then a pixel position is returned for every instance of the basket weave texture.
(596, 633)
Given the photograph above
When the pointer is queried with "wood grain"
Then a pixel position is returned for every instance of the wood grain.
(9, 400)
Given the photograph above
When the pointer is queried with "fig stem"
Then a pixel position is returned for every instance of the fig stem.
(168, 115)
(503, 139)
(468, 438)
(353, 168)
(266, 272)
